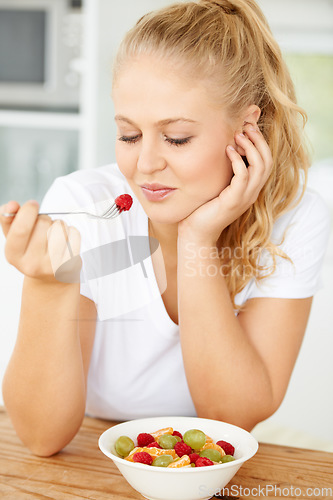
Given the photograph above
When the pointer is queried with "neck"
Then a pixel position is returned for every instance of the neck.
(166, 234)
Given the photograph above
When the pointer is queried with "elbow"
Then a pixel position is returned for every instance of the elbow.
(246, 415)
(49, 442)
(43, 451)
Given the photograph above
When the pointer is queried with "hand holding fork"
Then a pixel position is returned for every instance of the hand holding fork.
(38, 247)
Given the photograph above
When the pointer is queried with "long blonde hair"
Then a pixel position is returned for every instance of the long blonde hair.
(229, 44)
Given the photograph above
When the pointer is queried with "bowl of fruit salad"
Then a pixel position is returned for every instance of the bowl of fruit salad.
(177, 458)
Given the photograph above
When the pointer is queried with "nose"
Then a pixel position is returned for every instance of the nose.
(150, 158)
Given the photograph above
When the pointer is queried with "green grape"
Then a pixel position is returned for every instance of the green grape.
(227, 458)
(167, 441)
(195, 438)
(213, 455)
(162, 461)
(124, 445)
(178, 438)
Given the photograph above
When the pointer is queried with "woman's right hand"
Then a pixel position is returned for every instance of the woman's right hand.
(39, 247)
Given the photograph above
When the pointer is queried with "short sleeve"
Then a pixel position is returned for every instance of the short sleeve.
(302, 234)
(65, 194)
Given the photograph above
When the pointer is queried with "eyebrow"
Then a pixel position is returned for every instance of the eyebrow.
(160, 123)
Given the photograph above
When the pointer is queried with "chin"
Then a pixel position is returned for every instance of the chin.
(166, 216)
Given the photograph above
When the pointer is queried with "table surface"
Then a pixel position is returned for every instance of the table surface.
(81, 471)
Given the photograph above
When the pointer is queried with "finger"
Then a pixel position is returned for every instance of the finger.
(240, 179)
(261, 145)
(257, 171)
(63, 249)
(252, 154)
(70, 270)
(57, 243)
(10, 207)
(21, 229)
(63, 243)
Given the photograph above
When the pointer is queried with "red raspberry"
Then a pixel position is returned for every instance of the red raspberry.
(154, 444)
(202, 462)
(182, 448)
(227, 447)
(144, 439)
(142, 457)
(176, 433)
(124, 202)
(193, 457)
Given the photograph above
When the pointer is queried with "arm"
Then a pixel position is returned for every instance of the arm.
(237, 368)
(44, 387)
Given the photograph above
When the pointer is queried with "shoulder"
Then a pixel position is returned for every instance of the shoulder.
(302, 235)
(308, 217)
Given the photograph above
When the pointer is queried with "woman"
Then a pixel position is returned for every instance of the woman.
(210, 148)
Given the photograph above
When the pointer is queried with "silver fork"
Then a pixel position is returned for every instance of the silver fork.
(110, 213)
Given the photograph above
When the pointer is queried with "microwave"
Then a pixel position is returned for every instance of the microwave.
(40, 54)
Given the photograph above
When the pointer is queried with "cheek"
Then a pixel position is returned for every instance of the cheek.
(125, 160)
(212, 172)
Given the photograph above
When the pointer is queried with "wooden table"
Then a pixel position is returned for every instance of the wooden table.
(81, 471)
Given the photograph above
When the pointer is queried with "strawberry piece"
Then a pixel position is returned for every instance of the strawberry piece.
(124, 202)
(194, 457)
(203, 462)
(182, 448)
(144, 439)
(227, 447)
(154, 444)
(143, 457)
(176, 433)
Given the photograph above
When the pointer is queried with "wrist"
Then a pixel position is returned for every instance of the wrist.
(186, 235)
(50, 286)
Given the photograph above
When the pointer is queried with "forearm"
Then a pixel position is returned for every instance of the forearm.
(226, 376)
(44, 387)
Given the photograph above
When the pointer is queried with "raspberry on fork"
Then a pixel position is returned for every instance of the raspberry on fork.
(124, 202)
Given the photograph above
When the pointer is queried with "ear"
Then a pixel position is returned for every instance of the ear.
(251, 115)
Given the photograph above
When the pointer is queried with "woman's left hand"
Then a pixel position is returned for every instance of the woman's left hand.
(207, 222)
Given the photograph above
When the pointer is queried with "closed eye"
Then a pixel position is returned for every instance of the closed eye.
(177, 142)
(132, 139)
(129, 139)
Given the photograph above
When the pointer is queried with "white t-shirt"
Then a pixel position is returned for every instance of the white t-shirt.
(136, 368)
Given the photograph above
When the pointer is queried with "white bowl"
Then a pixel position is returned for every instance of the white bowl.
(192, 483)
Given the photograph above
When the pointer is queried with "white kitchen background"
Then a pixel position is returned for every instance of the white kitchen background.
(36, 147)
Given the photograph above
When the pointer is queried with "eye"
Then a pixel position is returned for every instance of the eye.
(177, 142)
(129, 139)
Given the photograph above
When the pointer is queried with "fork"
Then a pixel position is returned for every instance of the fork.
(121, 204)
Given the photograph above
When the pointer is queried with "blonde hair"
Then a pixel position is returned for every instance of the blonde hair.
(228, 43)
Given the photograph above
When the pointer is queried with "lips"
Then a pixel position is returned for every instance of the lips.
(156, 192)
